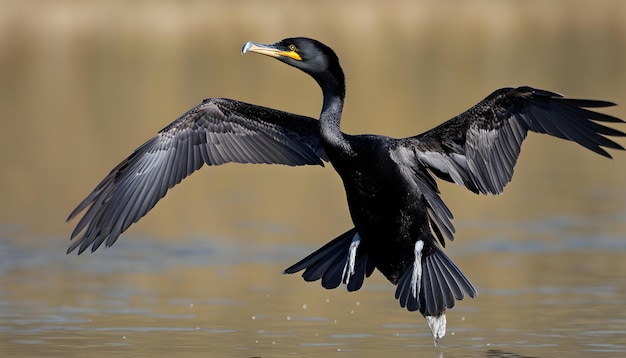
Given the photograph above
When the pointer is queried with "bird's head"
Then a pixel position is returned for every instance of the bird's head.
(310, 56)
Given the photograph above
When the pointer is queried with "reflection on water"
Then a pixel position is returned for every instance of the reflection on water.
(83, 84)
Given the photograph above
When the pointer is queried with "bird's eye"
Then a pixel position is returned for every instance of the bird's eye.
(292, 47)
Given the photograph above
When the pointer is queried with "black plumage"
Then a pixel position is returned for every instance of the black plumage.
(400, 221)
(215, 132)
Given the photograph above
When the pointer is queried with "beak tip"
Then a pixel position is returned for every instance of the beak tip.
(246, 47)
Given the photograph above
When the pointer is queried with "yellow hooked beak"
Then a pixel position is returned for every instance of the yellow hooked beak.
(269, 50)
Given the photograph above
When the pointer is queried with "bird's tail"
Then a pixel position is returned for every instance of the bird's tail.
(339, 261)
(431, 285)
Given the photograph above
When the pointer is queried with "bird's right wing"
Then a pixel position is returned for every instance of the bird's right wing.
(479, 148)
(215, 132)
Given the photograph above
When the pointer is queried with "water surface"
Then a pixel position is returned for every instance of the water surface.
(561, 293)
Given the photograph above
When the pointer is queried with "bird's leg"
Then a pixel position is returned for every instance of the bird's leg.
(348, 269)
(416, 278)
(437, 324)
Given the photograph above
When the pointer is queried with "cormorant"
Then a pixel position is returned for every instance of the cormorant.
(399, 219)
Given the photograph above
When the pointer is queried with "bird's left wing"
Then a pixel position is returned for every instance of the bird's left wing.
(215, 132)
(479, 148)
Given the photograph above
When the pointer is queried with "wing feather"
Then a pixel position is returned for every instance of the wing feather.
(215, 132)
(479, 148)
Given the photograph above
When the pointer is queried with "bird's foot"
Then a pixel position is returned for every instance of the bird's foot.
(437, 325)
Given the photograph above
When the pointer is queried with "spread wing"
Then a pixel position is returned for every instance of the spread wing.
(479, 148)
(215, 132)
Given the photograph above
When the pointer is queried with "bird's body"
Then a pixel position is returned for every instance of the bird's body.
(400, 221)
(388, 217)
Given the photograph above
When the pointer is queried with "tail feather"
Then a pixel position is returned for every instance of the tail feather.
(449, 278)
(431, 284)
(317, 263)
(439, 284)
(333, 276)
(362, 269)
(319, 269)
(334, 263)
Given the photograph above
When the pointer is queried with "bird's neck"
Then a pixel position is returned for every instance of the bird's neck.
(330, 117)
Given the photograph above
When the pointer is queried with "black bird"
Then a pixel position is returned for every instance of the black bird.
(399, 219)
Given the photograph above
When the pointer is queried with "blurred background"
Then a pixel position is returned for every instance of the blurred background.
(82, 84)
